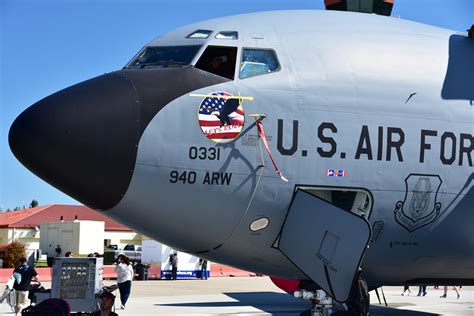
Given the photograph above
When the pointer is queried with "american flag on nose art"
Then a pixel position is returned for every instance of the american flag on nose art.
(220, 120)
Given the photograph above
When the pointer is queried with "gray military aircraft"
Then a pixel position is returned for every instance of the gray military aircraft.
(329, 148)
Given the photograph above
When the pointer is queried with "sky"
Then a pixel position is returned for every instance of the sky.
(48, 45)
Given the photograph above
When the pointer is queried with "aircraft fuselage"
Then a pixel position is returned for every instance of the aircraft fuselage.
(360, 107)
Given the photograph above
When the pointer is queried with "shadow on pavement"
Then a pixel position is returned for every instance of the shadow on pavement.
(268, 302)
(284, 304)
(389, 311)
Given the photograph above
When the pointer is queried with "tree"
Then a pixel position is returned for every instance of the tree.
(12, 253)
(33, 203)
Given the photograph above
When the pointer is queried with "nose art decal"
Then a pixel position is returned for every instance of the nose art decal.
(221, 116)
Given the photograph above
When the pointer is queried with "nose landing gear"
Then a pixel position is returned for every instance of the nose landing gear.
(322, 303)
(331, 243)
(358, 303)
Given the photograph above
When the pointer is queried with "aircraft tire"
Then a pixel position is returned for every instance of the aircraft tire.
(359, 298)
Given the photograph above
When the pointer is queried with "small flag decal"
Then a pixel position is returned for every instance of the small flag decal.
(335, 173)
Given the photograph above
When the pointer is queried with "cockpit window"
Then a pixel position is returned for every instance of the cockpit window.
(202, 34)
(232, 35)
(258, 62)
(164, 56)
(219, 60)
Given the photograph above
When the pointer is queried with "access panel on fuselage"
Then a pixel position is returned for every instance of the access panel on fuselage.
(325, 242)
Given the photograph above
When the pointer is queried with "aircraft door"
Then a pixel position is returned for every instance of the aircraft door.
(325, 242)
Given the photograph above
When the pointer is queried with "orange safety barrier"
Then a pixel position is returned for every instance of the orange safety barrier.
(217, 270)
(44, 274)
(220, 270)
(109, 272)
(154, 272)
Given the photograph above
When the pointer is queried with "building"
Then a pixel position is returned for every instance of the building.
(24, 225)
(79, 237)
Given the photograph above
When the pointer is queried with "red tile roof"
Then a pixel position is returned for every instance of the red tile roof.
(32, 217)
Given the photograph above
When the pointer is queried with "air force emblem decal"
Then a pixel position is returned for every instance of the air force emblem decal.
(419, 208)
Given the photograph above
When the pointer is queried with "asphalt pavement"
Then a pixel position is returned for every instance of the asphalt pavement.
(245, 296)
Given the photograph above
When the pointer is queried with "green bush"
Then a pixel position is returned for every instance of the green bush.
(11, 253)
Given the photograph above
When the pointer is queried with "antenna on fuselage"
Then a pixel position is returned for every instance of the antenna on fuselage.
(381, 7)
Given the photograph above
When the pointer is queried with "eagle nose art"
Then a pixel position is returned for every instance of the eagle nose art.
(83, 139)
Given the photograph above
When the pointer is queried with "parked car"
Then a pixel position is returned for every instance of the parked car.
(133, 252)
(132, 248)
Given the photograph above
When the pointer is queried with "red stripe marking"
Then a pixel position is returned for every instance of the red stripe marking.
(217, 123)
(238, 111)
(222, 135)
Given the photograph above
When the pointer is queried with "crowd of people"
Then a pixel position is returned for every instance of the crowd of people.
(173, 263)
(24, 274)
(422, 291)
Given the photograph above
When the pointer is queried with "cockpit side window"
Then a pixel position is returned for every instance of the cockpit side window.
(164, 56)
(258, 62)
(219, 60)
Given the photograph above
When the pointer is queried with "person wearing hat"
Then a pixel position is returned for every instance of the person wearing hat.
(106, 304)
(23, 275)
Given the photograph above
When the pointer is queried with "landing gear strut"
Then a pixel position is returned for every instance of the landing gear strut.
(358, 303)
(322, 303)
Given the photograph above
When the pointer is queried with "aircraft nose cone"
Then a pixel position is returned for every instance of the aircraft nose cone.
(83, 139)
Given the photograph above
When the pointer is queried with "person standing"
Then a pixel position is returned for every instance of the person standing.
(174, 264)
(422, 290)
(58, 250)
(203, 264)
(125, 274)
(446, 292)
(23, 275)
(406, 290)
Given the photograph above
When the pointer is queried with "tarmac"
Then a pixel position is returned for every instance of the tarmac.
(246, 296)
